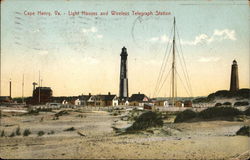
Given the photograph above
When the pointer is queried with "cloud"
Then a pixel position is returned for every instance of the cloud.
(208, 59)
(154, 39)
(161, 39)
(36, 30)
(93, 31)
(202, 38)
(225, 34)
(218, 35)
(90, 30)
(99, 36)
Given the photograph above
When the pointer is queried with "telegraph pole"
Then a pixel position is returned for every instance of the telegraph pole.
(39, 89)
(23, 89)
(10, 88)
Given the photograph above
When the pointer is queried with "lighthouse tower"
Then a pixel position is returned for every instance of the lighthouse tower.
(123, 92)
(234, 85)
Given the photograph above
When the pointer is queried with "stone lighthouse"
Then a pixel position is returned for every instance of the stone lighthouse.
(234, 84)
(123, 92)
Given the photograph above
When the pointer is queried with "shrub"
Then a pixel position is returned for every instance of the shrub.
(247, 111)
(81, 116)
(26, 132)
(33, 112)
(63, 112)
(243, 93)
(165, 116)
(115, 114)
(185, 115)
(2, 133)
(18, 133)
(218, 104)
(220, 94)
(134, 114)
(40, 133)
(44, 109)
(146, 120)
(217, 112)
(201, 100)
(55, 118)
(227, 104)
(79, 110)
(244, 103)
(70, 129)
(12, 134)
(244, 131)
(51, 132)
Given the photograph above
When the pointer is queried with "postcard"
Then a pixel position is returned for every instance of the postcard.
(124, 79)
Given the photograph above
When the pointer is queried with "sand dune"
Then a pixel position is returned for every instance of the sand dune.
(197, 140)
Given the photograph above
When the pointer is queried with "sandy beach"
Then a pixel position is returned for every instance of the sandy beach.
(94, 138)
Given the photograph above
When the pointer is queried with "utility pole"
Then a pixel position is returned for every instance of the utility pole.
(23, 89)
(0, 72)
(10, 88)
(39, 89)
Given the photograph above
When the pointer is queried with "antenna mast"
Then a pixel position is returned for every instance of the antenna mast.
(39, 89)
(173, 70)
(0, 73)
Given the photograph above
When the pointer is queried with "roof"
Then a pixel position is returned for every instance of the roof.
(137, 97)
(84, 97)
(159, 99)
(61, 99)
(5, 97)
(108, 97)
(162, 98)
(44, 88)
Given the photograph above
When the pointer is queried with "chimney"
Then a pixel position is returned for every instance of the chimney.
(108, 93)
(10, 88)
(139, 93)
(89, 94)
(34, 85)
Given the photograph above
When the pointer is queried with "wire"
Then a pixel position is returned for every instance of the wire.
(160, 82)
(183, 85)
(158, 89)
(188, 79)
(184, 74)
(164, 81)
(163, 65)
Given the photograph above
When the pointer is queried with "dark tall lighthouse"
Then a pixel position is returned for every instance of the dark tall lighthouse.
(234, 85)
(123, 92)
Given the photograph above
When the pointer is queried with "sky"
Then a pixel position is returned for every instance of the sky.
(80, 54)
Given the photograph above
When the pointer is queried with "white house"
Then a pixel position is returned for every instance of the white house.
(77, 102)
(115, 102)
(64, 102)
